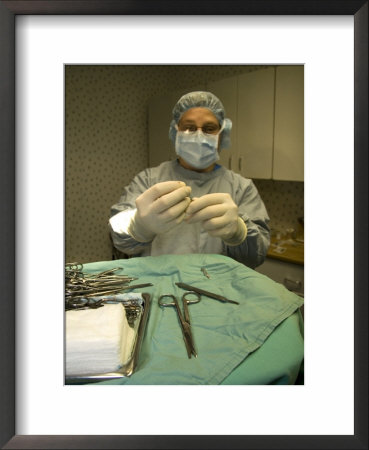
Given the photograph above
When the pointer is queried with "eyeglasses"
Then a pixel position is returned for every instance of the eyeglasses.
(206, 129)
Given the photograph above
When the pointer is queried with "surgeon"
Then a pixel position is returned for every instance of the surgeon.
(193, 204)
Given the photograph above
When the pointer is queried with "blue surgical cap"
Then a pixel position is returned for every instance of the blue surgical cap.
(202, 99)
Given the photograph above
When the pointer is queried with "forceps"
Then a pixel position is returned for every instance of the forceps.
(184, 319)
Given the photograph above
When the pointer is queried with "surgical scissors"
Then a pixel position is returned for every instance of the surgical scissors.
(184, 319)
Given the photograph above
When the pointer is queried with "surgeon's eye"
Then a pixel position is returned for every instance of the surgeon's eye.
(190, 128)
(210, 129)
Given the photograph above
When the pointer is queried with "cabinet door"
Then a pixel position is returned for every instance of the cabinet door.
(288, 159)
(160, 115)
(226, 91)
(255, 123)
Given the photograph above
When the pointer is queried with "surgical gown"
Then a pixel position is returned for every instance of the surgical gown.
(191, 238)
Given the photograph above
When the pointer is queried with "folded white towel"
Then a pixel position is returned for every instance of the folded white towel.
(97, 340)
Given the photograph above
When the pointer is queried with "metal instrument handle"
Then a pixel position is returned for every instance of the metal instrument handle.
(206, 293)
(163, 303)
(187, 302)
(191, 301)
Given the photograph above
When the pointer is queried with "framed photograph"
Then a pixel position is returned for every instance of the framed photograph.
(37, 40)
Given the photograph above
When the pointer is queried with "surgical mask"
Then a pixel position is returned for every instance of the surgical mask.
(198, 149)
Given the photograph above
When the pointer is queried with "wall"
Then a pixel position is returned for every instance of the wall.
(106, 146)
(284, 201)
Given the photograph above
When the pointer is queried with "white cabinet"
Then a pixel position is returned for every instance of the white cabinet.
(288, 156)
(267, 110)
(255, 123)
(248, 100)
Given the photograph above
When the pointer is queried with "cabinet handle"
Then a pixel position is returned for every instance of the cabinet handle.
(239, 164)
(230, 162)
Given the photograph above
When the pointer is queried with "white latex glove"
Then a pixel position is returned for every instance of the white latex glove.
(159, 208)
(219, 216)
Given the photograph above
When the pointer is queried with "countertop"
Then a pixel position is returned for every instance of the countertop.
(289, 250)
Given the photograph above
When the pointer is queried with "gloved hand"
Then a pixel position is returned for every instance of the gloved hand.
(159, 208)
(219, 216)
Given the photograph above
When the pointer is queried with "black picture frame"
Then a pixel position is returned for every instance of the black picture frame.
(8, 10)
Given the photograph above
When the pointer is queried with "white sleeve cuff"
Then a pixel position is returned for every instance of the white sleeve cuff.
(120, 222)
(239, 236)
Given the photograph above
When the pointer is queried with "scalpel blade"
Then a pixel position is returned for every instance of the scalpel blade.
(206, 293)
